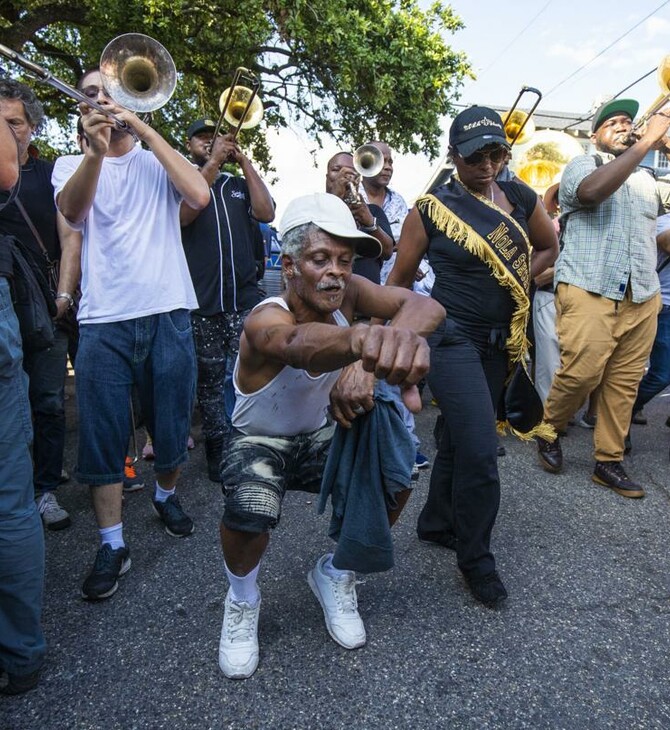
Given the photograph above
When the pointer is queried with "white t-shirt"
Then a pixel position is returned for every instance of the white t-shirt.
(132, 260)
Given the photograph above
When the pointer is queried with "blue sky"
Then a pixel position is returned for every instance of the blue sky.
(563, 36)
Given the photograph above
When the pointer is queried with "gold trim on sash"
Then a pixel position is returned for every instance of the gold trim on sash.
(455, 228)
(516, 278)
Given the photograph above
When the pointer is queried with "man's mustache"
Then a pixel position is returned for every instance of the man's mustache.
(339, 283)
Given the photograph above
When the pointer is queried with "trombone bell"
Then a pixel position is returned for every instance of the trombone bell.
(368, 160)
(138, 72)
(542, 163)
(513, 121)
(244, 106)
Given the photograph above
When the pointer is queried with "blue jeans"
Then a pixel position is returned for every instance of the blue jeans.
(394, 394)
(22, 645)
(156, 354)
(657, 377)
(46, 372)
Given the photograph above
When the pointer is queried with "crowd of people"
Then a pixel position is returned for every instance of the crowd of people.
(161, 256)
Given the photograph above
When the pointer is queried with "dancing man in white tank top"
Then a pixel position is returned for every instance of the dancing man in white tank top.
(292, 351)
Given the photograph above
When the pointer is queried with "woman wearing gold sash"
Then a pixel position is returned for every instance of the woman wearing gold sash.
(479, 235)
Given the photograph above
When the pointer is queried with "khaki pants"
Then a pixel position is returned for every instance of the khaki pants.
(603, 343)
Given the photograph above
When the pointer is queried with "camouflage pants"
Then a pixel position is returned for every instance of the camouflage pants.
(217, 342)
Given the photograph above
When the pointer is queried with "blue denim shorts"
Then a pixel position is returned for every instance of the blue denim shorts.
(154, 353)
(257, 470)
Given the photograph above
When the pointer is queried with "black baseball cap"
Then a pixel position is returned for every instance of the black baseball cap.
(612, 108)
(475, 128)
(200, 125)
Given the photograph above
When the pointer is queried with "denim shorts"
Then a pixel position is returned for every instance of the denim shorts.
(154, 353)
(257, 471)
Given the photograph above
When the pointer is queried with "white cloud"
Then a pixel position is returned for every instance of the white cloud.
(578, 54)
(655, 27)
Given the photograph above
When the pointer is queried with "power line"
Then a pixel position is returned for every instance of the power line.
(607, 48)
(616, 96)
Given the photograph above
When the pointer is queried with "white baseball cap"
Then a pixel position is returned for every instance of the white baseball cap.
(331, 215)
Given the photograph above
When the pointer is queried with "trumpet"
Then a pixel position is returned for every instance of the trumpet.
(519, 126)
(352, 196)
(239, 104)
(368, 161)
(137, 71)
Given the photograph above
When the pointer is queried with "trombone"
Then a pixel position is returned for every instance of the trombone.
(239, 104)
(137, 71)
(663, 78)
(519, 126)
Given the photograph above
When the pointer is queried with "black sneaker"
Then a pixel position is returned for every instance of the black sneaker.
(103, 580)
(17, 684)
(639, 418)
(612, 474)
(444, 539)
(177, 522)
(487, 589)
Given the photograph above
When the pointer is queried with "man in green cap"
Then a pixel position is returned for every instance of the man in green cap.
(607, 291)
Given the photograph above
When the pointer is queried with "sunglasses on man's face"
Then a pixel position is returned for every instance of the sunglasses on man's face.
(495, 155)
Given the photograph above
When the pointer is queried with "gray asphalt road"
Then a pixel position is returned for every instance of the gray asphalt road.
(582, 642)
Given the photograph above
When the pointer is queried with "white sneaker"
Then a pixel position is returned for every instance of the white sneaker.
(53, 515)
(238, 648)
(337, 597)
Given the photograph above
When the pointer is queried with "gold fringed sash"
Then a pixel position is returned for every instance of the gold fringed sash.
(458, 230)
(511, 270)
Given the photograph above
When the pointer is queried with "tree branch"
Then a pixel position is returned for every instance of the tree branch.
(22, 31)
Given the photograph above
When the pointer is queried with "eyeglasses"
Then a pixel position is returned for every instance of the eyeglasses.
(496, 155)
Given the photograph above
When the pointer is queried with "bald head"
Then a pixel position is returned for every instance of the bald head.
(338, 165)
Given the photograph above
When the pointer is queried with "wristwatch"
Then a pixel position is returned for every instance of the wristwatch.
(67, 296)
(370, 229)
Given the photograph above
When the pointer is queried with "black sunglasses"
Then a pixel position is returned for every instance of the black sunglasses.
(496, 155)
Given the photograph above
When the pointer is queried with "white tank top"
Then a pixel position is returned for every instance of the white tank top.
(292, 402)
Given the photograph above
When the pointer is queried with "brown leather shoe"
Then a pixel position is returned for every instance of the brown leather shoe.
(550, 454)
(612, 474)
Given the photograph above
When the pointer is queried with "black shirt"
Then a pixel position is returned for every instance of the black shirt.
(371, 268)
(220, 246)
(464, 284)
(37, 196)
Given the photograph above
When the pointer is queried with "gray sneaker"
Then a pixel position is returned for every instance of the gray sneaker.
(53, 515)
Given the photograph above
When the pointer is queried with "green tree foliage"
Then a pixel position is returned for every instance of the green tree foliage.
(351, 69)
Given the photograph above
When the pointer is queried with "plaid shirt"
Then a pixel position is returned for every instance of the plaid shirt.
(611, 245)
(396, 211)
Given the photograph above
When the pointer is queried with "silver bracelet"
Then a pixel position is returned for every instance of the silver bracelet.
(66, 295)
(372, 228)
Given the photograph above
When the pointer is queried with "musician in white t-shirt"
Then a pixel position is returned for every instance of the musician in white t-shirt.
(135, 326)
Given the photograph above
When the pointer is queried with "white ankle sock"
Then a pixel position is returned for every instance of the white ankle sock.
(331, 571)
(112, 536)
(161, 495)
(243, 588)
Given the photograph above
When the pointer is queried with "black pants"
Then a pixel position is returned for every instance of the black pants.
(466, 377)
(47, 370)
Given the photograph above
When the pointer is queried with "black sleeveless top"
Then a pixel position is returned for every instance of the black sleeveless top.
(464, 284)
